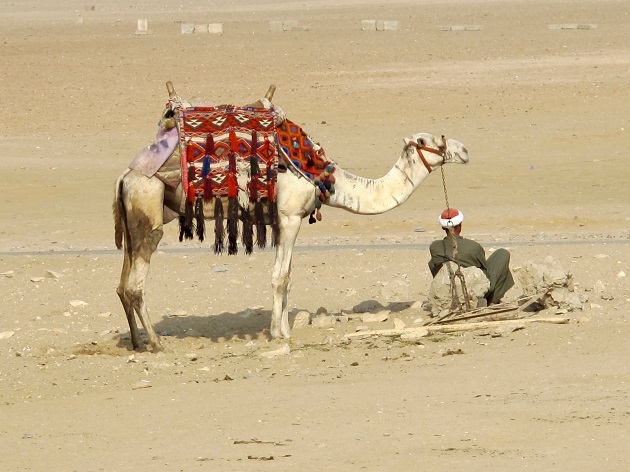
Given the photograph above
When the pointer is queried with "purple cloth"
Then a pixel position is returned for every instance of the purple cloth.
(151, 158)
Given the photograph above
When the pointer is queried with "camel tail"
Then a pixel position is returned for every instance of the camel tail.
(119, 212)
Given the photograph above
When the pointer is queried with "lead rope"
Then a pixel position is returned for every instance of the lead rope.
(458, 273)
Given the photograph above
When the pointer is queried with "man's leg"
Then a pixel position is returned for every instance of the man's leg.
(499, 274)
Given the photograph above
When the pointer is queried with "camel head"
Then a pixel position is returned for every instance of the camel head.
(434, 151)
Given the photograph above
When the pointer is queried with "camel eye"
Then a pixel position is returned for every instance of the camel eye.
(420, 142)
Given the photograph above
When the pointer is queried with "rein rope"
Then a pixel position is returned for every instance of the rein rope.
(458, 273)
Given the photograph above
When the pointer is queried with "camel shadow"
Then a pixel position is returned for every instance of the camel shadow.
(245, 325)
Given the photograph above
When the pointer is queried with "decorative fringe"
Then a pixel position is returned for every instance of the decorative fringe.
(185, 231)
(200, 220)
(254, 168)
(232, 224)
(311, 218)
(273, 222)
(248, 233)
(207, 188)
(219, 230)
(205, 169)
(261, 228)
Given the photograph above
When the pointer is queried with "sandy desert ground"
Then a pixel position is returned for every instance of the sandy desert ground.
(544, 115)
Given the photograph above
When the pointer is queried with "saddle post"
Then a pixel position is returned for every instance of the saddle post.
(270, 92)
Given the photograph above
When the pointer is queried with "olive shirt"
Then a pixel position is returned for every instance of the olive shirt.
(471, 254)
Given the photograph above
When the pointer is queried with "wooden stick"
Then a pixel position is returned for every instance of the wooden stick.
(492, 324)
(426, 330)
(170, 89)
(270, 92)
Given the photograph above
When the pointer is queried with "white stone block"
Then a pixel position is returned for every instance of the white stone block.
(289, 25)
(201, 29)
(215, 28)
(188, 28)
(142, 27)
(368, 25)
(391, 25)
(275, 26)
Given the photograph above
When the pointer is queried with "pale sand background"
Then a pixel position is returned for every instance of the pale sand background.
(544, 114)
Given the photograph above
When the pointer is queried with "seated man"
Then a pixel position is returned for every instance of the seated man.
(470, 253)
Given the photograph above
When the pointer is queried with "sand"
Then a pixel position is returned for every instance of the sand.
(543, 114)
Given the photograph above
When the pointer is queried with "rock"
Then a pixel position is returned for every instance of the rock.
(552, 278)
(323, 320)
(477, 285)
(219, 269)
(375, 317)
(599, 287)
(417, 305)
(77, 303)
(37, 279)
(563, 298)
(141, 384)
(621, 273)
(52, 275)
(302, 319)
(508, 328)
(6, 334)
(8, 274)
(415, 335)
(398, 323)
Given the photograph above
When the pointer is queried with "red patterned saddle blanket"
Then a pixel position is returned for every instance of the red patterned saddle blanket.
(222, 144)
(229, 152)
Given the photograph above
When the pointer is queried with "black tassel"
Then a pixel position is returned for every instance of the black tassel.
(185, 231)
(254, 168)
(232, 224)
(311, 218)
(261, 228)
(188, 220)
(273, 222)
(200, 221)
(219, 230)
(248, 232)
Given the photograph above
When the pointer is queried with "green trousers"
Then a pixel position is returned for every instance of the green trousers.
(499, 274)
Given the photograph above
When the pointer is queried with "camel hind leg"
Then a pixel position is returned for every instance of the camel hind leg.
(141, 202)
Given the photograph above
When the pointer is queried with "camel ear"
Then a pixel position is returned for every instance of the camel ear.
(407, 141)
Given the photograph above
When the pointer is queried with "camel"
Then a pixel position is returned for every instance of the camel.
(143, 205)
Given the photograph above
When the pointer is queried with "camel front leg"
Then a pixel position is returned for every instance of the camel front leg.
(281, 276)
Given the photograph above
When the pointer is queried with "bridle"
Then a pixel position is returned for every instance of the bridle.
(441, 151)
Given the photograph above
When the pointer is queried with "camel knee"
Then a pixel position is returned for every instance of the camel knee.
(281, 281)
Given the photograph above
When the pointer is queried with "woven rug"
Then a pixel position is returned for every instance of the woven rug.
(219, 144)
(310, 159)
(232, 153)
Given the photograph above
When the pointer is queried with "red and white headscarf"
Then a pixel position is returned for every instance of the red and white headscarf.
(451, 217)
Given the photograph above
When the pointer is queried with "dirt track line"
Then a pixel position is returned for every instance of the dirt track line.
(318, 248)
